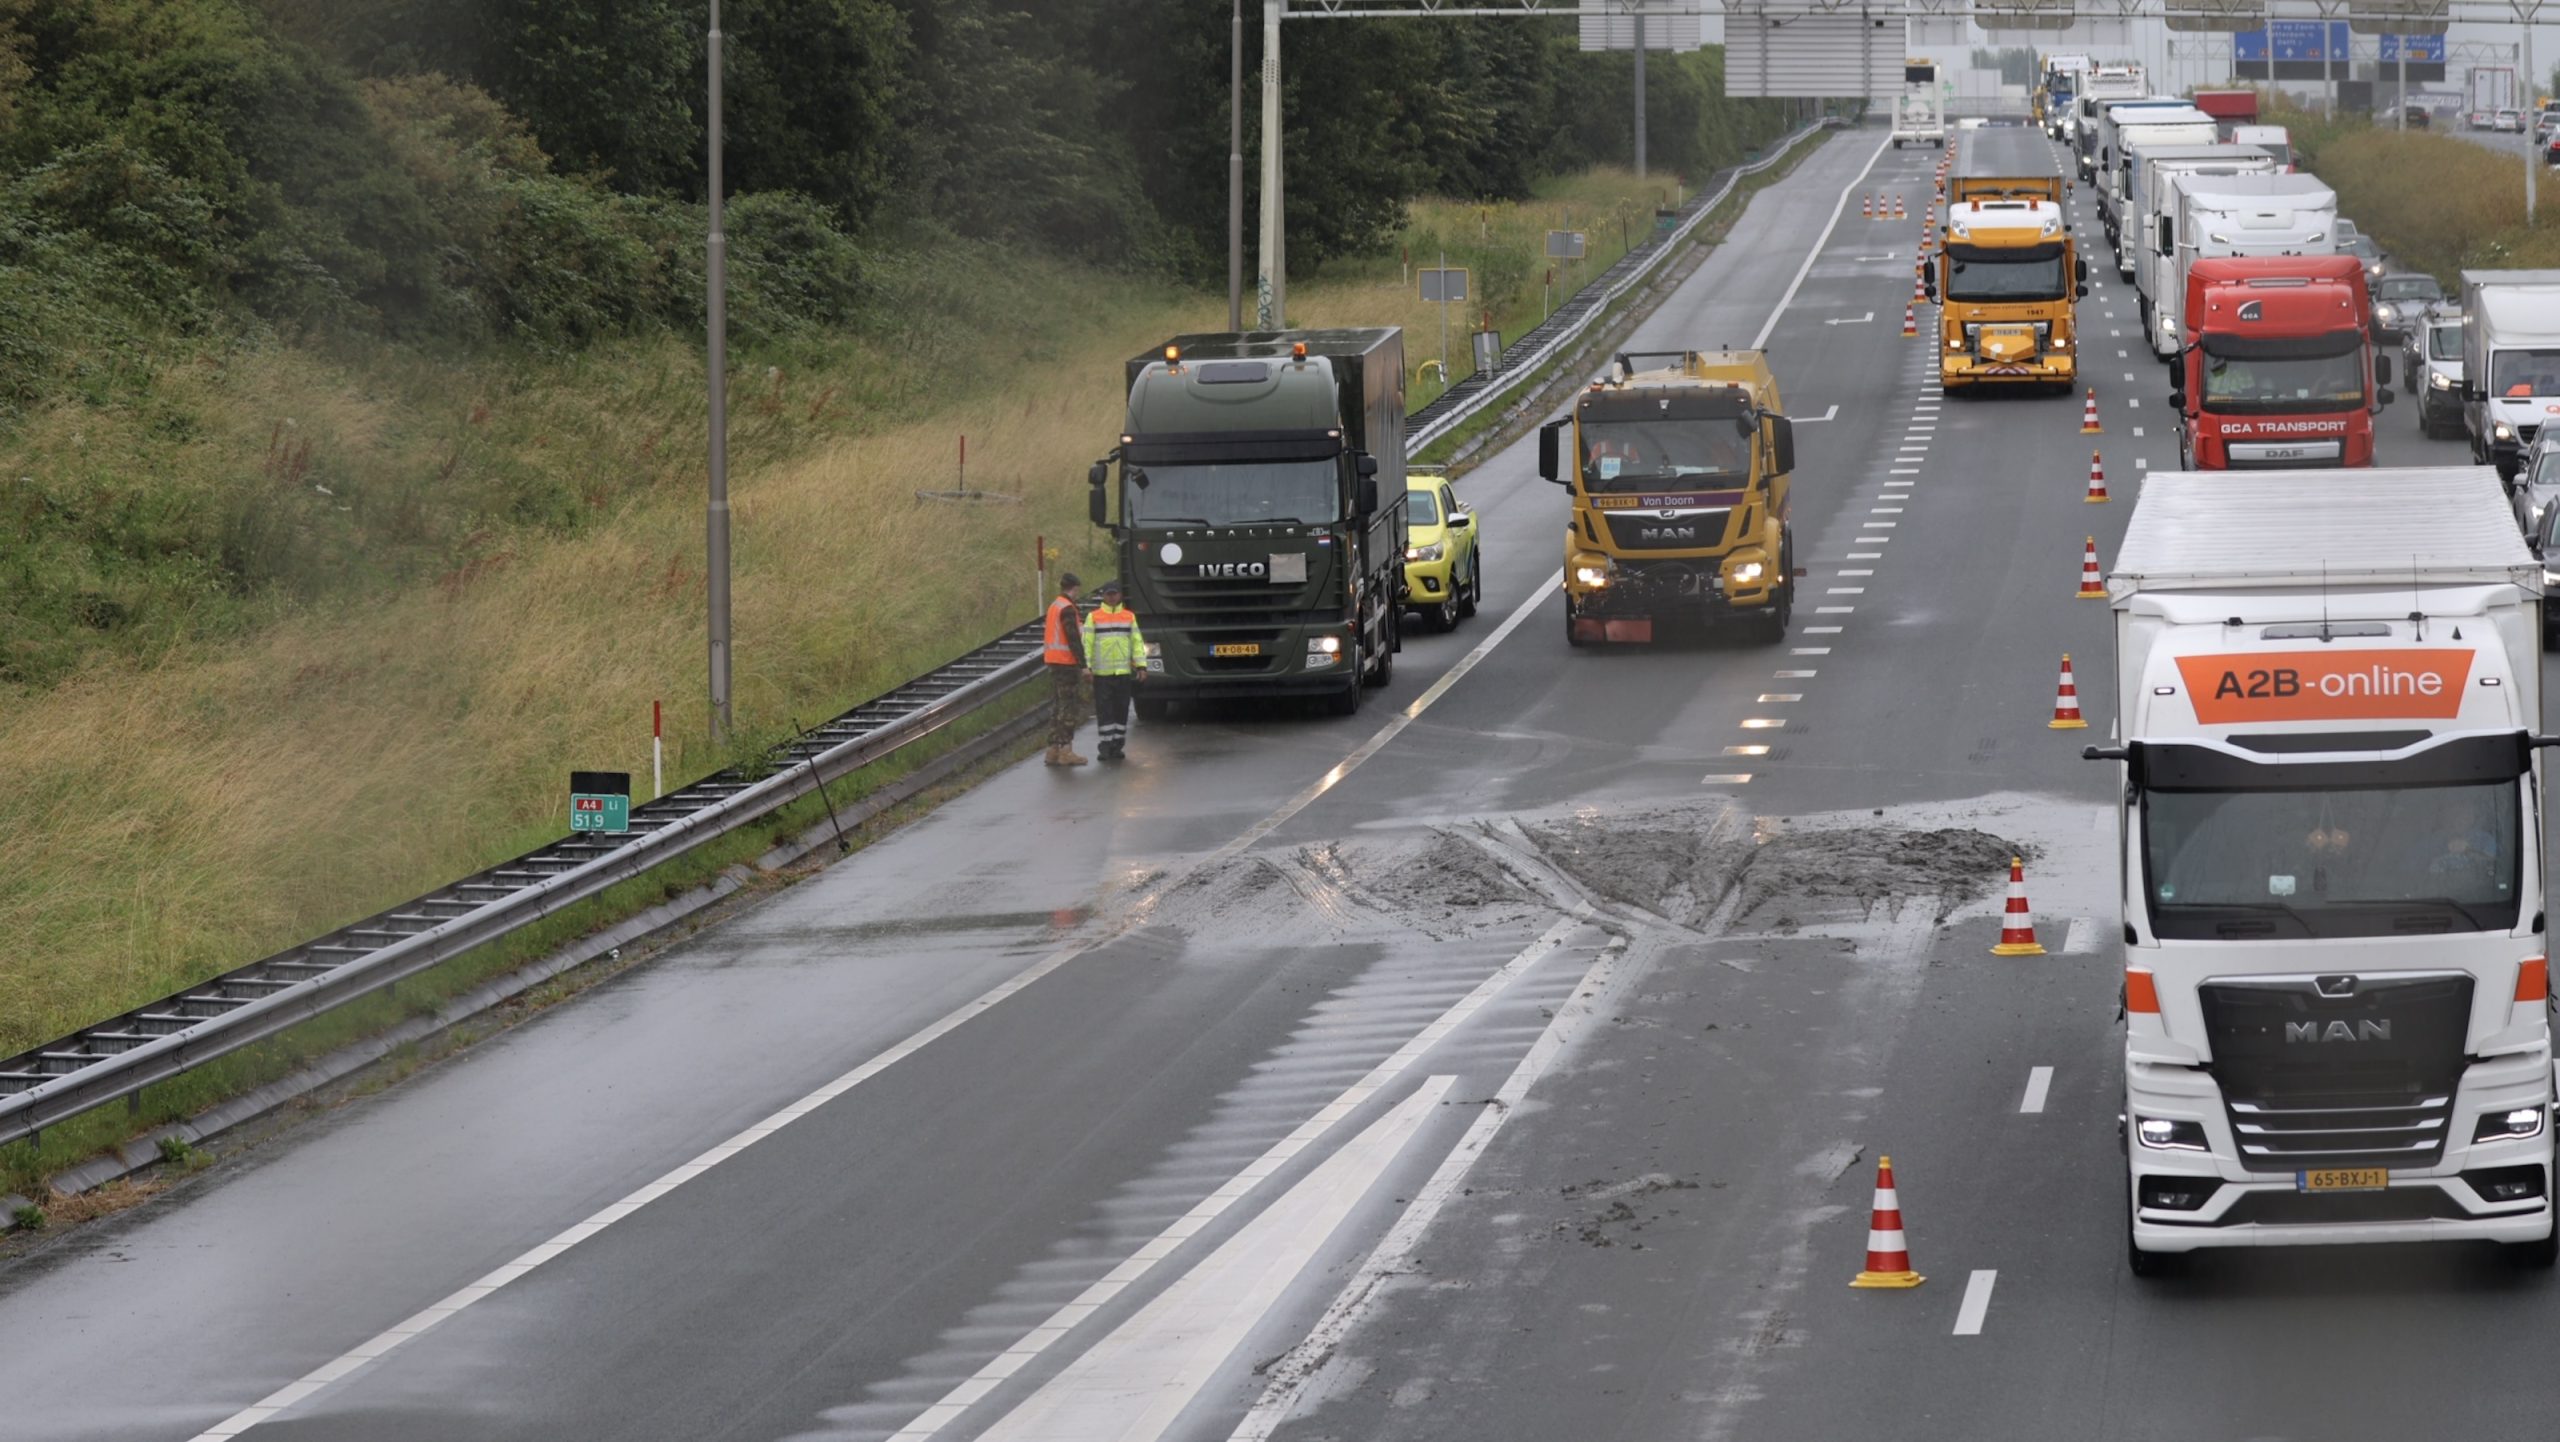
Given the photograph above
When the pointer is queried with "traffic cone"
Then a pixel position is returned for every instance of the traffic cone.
(2093, 586)
(1897, 206)
(1888, 1251)
(1910, 320)
(1867, 206)
(2089, 415)
(1919, 292)
(2097, 481)
(2066, 717)
(2017, 929)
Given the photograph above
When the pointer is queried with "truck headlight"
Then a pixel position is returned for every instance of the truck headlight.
(2502, 432)
(1329, 645)
(2162, 1135)
(2522, 1124)
(2062, 343)
(1423, 553)
(2439, 381)
(1748, 573)
(1591, 575)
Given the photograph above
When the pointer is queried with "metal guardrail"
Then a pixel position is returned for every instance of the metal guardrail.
(115, 1059)
(1529, 354)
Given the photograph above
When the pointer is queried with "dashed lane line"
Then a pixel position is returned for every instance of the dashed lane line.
(1977, 1303)
(2039, 1081)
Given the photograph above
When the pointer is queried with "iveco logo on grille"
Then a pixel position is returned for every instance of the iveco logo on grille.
(1667, 533)
(2368, 1030)
(1233, 570)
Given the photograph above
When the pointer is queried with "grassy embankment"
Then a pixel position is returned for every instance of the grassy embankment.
(186, 801)
(2435, 203)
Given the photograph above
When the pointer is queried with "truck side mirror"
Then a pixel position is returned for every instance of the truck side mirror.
(2080, 292)
(2168, 235)
(2177, 400)
(1368, 495)
(2079, 270)
(1098, 501)
(1782, 445)
(2381, 396)
(1368, 464)
(1550, 463)
(2382, 370)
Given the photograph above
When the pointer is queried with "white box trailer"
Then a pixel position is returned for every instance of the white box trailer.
(2510, 361)
(2328, 703)
(2099, 88)
(2267, 214)
(2127, 128)
(2147, 198)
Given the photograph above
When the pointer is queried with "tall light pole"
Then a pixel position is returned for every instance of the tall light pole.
(716, 367)
(1235, 171)
(2529, 11)
(1269, 287)
(1639, 93)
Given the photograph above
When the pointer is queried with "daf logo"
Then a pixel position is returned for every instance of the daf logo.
(2337, 1031)
(2335, 985)
(2249, 309)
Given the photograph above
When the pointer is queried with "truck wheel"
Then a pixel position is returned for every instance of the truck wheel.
(1384, 669)
(1570, 637)
(1346, 702)
(1151, 710)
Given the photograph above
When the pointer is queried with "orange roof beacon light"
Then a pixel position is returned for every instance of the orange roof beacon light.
(1298, 350)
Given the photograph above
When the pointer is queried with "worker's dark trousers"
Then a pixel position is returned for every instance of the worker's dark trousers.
(1111, 712)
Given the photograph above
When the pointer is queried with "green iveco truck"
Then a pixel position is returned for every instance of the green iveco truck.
(1259, 518)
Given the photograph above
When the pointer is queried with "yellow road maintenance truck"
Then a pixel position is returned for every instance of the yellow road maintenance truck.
(1679, 475)
(2006, 276)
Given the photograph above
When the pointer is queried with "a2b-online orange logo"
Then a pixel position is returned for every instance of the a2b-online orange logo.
(2326, 685)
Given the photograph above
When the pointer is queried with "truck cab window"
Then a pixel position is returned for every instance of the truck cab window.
(2377, 862)
(1631, 455)
(2314, 373)
(1234, 493)
(2519, 373)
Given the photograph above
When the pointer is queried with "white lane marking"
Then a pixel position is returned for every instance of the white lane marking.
(2137, 430)
(1908, 470)
(1764, 723)
(1835, 610)
(631, 1204)
(1794, 675)
(1846, 590)
(2132, 402)
(1809, 651)
(2039, 1082)
(2120, 355)
(1761, 341)
(1887, 524)
(1829, 413)
(1866, 555)
(1297, 1369)
(1851, 320)
(2128, 375)
(1822, 631)
(2083, 936)
(941, 1414)
(1725, 778)
(1846, 571)
(1977, 1300)
(2115, 332)
(1884, 510)
(1776, 698)
(1133, 1383)
(1746, 751)
(2140, 464)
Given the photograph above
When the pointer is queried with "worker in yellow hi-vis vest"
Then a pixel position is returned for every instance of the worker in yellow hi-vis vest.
(1116, 651)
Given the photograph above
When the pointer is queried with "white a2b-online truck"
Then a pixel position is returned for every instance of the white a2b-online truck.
(2335, 988)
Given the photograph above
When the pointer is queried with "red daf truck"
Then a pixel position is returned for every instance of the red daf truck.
(2278, 369)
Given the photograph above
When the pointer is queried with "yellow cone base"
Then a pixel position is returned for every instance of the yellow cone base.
(2080, 725)
(2017, 948)
(1888, 1279)
(2093, 595)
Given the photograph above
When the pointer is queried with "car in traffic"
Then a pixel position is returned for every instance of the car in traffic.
(2400, 297)
(2431, 370)
(2416, 117)
(2363, 249)
(2537, 482)
(2479, 119)
(2545, 541)
(2509, 121)
(1443, 566)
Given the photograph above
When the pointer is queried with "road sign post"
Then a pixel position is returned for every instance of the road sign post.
(600, 801)
(1445, 286)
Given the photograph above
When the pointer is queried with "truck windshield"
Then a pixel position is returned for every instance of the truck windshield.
(2391, 861)
(2274, 377)
(2444, 342)
(1232, 493)
(2519, 373)
(1638, 455)
(1980, 275)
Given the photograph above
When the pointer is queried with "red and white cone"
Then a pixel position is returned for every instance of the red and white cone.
(2097, 480)
(1897, 206)
(2017, 928)
(1919, 292)
(1867, 207)
(2093, 586)
(2089, 415)
(2066, 717)
(1910, 320)
(1888, 1251)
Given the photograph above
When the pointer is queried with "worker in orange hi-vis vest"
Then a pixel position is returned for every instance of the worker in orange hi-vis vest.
(1062, 648)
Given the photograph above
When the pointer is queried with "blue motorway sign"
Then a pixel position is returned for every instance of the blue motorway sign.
(2299, 41)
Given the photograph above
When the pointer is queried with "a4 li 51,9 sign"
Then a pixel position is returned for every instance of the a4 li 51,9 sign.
(600, 801)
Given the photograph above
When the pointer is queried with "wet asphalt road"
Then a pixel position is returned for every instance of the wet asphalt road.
(1536, 1064)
